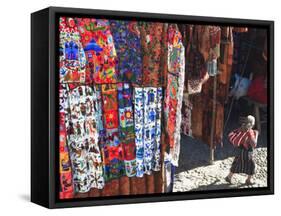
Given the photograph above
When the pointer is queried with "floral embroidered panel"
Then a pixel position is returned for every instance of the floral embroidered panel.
(126, 37)
(113, 154)
(153, 43)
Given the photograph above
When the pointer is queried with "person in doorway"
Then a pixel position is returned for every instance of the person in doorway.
(244, 139)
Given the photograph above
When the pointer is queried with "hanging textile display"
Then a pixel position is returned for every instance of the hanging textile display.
(209, 46)
(99, 48)
(126, 37)
(215, 37)
(126, 123)
(147, 103)
(99, 114)
(129, 90)
(174, 92)
(226, 55)
(153, 49)
(82, 138)
(72, 56)
(196, 69)
(112, 150)
(66, 184)
(218, 123)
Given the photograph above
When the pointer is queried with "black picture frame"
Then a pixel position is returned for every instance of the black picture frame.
(44, 106)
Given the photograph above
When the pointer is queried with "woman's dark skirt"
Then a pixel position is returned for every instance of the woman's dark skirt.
(243, 163)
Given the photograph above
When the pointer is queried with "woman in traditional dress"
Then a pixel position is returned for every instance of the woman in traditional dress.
(245, 140)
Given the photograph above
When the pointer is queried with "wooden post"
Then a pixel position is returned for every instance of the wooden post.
(212, 151)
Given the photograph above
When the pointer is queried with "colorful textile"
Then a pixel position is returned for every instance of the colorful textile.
(126, 127)
(99, 49)
(126, 36)
(153, 47)
(215, 39)
(170, 108)
(174, 92)
(247, 139)
(113, 155)
(196, 71)
(82, 138)
(194, 86)
(72, 56)
(226, 55)
(147, 103)
(258, 89)
(66, 184)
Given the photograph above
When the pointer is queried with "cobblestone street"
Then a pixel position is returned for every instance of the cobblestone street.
(195, 172)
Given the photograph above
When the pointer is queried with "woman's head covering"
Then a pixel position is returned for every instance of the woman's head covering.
(251, 119)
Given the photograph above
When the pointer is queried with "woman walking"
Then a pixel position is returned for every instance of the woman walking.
(244, 140)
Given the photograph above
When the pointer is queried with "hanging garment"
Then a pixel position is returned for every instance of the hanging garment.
(196, 70)
(170, 108)
(174, 91)
(99, 48)
(186, 116)
(66, 184)
(99, 114)
(226, 55)
(241, 86)
(147, 102)
(208, 39)
(194, 86)
(72, 56)
(240, 29)
(176, 69)
(126, 36)
(214, 51)
(113, 155)
(153, 49)
(126, 127)
(82, 138)
(258, 89)
(208, 109)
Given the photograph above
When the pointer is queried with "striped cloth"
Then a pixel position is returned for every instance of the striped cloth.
(246, 138)
(243, 162)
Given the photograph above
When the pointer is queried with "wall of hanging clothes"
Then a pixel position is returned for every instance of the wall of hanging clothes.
(128, 90)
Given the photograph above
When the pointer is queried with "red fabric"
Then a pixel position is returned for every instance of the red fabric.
(239, 137)
(258, 90)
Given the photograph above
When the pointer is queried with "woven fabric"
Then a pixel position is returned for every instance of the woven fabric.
(126, 36)
(72, 56)
(99, 48)
(82, 138)
(147, 115)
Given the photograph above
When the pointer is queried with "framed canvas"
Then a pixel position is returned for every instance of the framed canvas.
(138, 107)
